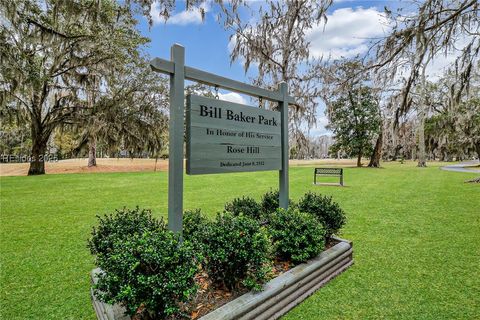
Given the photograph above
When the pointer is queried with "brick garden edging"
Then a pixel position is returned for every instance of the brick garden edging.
(278, 296)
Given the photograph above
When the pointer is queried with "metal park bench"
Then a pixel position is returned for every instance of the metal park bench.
(329, 172)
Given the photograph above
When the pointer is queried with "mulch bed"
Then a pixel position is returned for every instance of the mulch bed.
(209, 297)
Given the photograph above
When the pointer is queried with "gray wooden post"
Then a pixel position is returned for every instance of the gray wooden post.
(175, 147)
(283, 174)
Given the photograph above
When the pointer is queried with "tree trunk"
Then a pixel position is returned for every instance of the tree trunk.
(477, 148)
(421, 49)
(39, 146)
(37, 163)
(359, 159)
(92, 152)
(396, 151)
(377, 152)
(421, 136)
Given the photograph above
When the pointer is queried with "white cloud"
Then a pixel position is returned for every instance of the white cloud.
(182, 18)
(320, 127)
(322, 121)
(231, 43)
(232, 97)
(347, 32)
(436, 68)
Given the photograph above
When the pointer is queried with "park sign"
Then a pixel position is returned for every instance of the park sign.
(227, 137)
(222, 136)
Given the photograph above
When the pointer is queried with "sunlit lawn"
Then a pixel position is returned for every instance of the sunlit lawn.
(416, 235)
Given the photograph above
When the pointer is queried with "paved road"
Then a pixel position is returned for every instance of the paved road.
(460, 167)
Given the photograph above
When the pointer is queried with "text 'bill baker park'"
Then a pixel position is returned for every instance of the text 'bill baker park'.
(215, 112)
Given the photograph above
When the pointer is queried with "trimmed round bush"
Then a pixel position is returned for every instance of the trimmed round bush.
(121, 225)
(296, 236)
(270, 201)
(194, 230)
(325, 210)
(245, 205)
(193, 223)
(236, 251)
(144, 266)
(152, 270)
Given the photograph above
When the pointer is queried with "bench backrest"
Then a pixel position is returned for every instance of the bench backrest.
(330, 171)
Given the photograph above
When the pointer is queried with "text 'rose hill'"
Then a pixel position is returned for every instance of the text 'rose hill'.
(217, 113)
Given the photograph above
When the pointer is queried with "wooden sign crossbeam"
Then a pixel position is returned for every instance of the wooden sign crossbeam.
(210, 79)
(257, 141)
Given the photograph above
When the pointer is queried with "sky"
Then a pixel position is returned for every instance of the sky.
(351, 24)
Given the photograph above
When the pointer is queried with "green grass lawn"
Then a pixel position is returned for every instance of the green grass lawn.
(416, 235)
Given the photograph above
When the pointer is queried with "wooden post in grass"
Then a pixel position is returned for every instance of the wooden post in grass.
(175, 140)
(283, 173)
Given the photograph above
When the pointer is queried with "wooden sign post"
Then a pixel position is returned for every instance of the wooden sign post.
(222, 136)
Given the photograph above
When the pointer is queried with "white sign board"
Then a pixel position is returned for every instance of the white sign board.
(226, 137)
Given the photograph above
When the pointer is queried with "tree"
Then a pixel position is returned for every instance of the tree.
(65, 140)
(415, 40)
(14, 140)
(277, 46)
(451, 129)
(50, 50)
(354, 120)
(468, 123)
(462, 99)
(342, 82)
(377, 150)
(130, 115)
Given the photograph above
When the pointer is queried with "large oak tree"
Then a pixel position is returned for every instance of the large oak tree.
(417, 38)
(50, 49)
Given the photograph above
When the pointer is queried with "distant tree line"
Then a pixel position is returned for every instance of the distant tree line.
(74, 78)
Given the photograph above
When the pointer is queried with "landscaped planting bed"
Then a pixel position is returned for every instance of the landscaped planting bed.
(277, 297)
(253, 261)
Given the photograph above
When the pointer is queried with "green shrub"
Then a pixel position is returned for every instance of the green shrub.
(150, 270)
(236, 251)
(296, 236)
(193, 223)
(245, 205)
(271, 202)
(144, 265)
(121, 225)
(194, 229)
(327, 211)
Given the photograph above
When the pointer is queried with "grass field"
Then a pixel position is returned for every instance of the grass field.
(416, 235)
